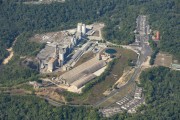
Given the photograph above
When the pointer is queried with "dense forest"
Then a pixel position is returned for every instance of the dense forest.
(25, 48)
(164, 16)
(118, 15)
(30, 107)
(161, 89)
(15, 73)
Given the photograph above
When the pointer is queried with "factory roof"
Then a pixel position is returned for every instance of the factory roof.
(62, 37)
(52, 60)
(86, 68)
(46, 52)
(77, 54)
(176, 66)
(79, 83)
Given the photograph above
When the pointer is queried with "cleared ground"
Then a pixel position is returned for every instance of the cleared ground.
(11, 53)
(97, 27)
(50, 93)
(163, 59)
(125, 77)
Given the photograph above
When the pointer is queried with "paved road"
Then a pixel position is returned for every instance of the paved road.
(58, 104)
(115, 92)
(145, 51)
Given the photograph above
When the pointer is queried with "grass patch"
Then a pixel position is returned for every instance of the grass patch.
(26, 86)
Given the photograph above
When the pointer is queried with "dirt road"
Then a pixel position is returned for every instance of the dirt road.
(11, 54)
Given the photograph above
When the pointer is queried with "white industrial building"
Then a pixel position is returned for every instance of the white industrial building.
(56, 50)
(80, 75)
(60, 44)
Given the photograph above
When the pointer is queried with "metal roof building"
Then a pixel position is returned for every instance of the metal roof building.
(175, 66)
(83, 73)
(81, 82)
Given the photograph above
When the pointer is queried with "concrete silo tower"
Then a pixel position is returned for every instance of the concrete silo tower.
(79, 27)
(61, 57)
(83, 29)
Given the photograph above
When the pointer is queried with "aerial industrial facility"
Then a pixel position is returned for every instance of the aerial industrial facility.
(56, 50)
(59, 45)
(62, 51)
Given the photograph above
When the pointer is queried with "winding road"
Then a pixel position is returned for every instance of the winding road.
(143, 51)
(11, 53)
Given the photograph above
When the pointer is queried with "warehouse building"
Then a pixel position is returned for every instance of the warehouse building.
(82, 81)
(175, 66)
(80, 75)
(58, 46)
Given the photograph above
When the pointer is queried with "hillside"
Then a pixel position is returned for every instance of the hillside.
(161, 88)
(119, 17)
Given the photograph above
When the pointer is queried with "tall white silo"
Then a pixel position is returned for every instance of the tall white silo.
(79, 27)
(83, 29)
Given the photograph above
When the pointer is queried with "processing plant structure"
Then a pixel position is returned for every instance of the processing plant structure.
(58, 46)
(64, 49)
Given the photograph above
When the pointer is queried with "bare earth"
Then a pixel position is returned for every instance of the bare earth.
(146, 63)
(163, 60)
(11, 53)
(9, 57)
(125, 77)
(50, 93)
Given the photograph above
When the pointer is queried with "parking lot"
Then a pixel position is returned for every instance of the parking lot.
(110, 111)
(127, 103)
